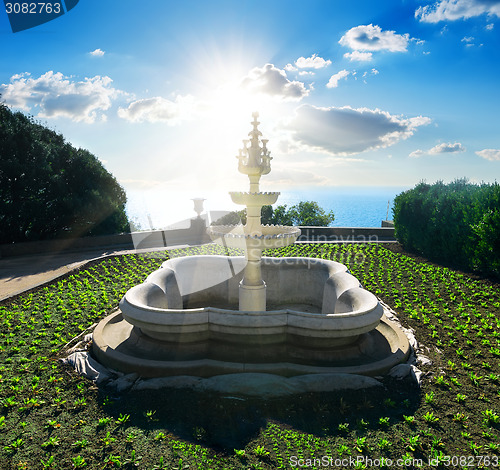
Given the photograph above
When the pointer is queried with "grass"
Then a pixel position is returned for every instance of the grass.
(52, 418)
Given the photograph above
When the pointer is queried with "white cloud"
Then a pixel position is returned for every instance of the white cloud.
(417, 153)
(313, 62)
(346, 131)
(334, 79)
(273, 81)
(372, 71)
(55, 95)
(449, 147)
(489, 27)
(290, 68)
(358, 56)
(372, 38)
(489, 154)
(457, 9)
(97, 53)
(158, 109)
(306, 73)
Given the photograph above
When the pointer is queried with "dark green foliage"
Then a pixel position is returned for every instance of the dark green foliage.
(49, 189)
(457, 223)
(308, 213)
(305, 213)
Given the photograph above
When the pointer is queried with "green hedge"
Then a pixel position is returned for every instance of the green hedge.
(457, 223)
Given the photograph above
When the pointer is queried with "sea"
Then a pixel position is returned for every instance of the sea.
(353, 206)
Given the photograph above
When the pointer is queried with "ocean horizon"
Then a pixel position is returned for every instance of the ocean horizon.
(353, 206)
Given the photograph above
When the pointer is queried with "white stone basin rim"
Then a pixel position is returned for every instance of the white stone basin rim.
(254, 199)
(156, 306)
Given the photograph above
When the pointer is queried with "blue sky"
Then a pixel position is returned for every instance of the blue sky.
(383, 93)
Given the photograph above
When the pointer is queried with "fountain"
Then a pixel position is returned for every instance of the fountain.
(207, 316)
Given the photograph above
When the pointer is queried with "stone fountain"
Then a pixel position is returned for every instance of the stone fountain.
(211, 316)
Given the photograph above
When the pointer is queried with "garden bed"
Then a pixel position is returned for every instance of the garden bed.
(52, 418)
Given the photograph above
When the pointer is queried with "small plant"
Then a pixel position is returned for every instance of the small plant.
(108, 440)
(122, 419)
(384, 444)
(49, 462)
(475, 379)
(362, 424)
(413, 443)
(475, 448)
(492, 446)
(490, 417)
(455, 381)
(361, 445)
(343, 428)
(103, 421)
(429, 397)
(384, 422)
(430, 418)
(113, 460)
(440, 381)
(150, 415)
(260, 451)
(51, 442)
(81, 444)
(437, 442)
(15, 445)
(460, 397)
(161, 465)
(52, 423)
(133, 460)
(80, 402)
(240, 453)
(409, 419)
(160, 436)
(343, 449)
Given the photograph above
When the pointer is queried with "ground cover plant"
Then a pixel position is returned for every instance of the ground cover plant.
(52, 418)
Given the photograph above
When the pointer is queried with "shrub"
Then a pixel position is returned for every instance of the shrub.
(457, 223)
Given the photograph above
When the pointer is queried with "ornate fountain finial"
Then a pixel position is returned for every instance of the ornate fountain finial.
(254, 160)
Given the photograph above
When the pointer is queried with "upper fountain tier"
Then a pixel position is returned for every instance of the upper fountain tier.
(254, 160)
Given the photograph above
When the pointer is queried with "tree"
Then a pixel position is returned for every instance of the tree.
(49, 189)
(305, 213)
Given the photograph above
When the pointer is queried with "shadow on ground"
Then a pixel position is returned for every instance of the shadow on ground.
(227, 422)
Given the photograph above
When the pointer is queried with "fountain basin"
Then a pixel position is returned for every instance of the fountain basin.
(184, 320)
(180, 302)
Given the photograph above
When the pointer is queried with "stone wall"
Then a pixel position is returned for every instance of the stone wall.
(194, 235)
